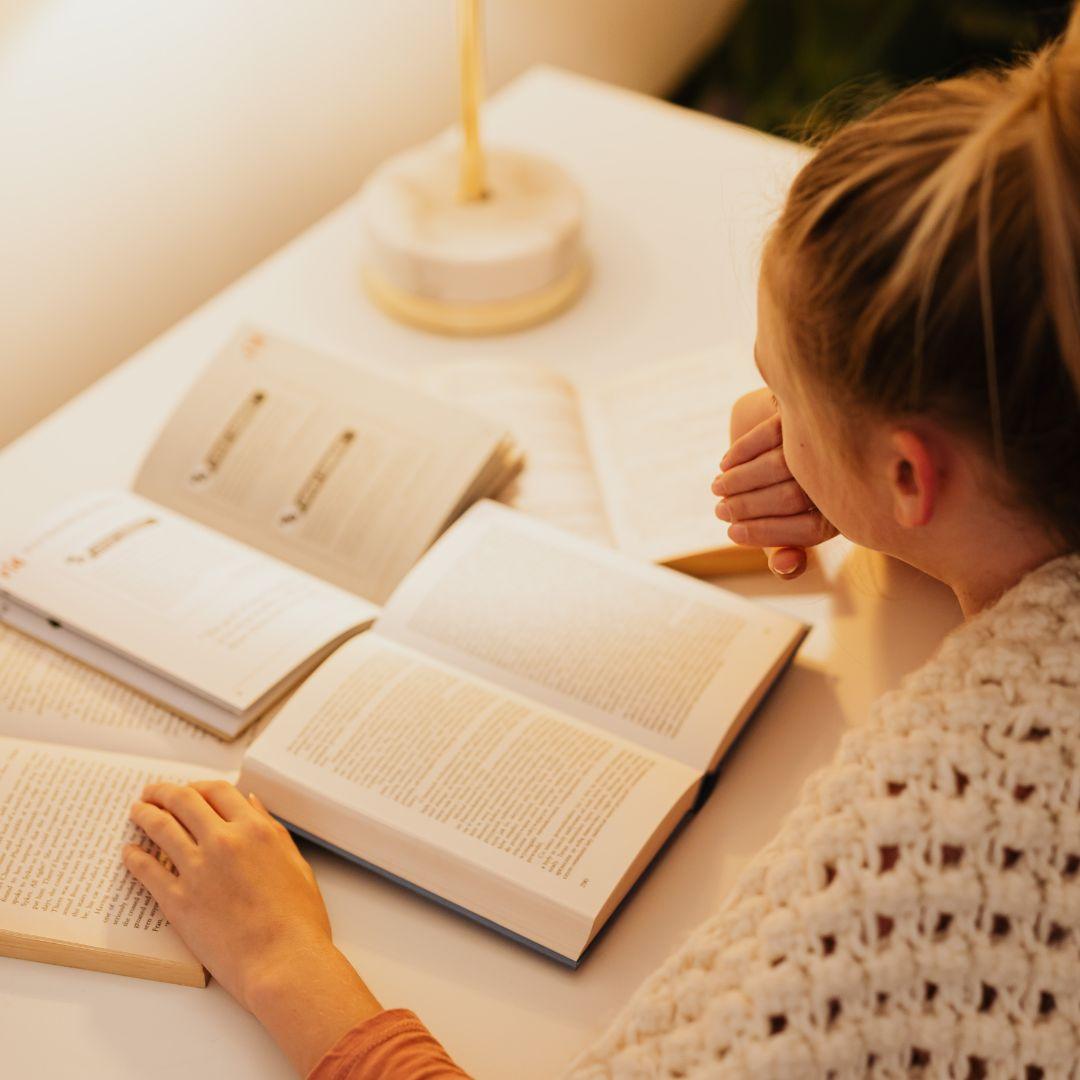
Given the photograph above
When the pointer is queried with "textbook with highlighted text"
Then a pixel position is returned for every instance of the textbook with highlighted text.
(285, 499)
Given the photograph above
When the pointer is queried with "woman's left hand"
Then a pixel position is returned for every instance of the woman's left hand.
(759, 498)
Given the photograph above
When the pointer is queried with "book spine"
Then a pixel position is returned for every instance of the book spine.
(520, 939)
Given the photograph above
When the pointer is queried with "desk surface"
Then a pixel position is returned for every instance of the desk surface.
(677, 207)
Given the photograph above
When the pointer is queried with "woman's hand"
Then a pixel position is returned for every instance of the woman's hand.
(759, 497)
(246, 903)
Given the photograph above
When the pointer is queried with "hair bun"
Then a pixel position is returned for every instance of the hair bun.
(929, 264)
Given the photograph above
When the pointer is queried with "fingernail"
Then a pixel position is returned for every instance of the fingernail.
(725, 461)
(723, 511)
(718, 486)
(785, 563)
(737, 533)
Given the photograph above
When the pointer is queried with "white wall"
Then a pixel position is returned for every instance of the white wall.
(153, 150)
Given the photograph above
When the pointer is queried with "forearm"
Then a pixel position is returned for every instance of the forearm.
(392, 1045)
(247, 904)
(309, 1003)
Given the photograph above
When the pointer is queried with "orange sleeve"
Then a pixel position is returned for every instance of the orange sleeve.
(392, 1045)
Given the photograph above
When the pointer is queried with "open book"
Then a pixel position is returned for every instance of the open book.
(528, 722)
(626, 459)
(76, 749)
(286, 497)
(65, 896)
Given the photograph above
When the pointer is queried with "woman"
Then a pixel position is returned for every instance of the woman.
(919, 912)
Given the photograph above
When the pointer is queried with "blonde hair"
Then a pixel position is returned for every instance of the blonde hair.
(926, 261)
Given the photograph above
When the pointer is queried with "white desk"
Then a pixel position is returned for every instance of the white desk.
(678, 203)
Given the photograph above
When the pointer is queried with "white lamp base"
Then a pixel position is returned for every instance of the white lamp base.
(501, 263)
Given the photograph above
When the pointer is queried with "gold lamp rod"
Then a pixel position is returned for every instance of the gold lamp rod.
(473, 185)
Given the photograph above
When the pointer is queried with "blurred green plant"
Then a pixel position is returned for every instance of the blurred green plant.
(786, 59)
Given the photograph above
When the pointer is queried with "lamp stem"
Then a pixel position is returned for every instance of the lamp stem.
(473, 185)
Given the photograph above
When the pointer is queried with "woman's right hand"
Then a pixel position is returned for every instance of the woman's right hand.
(246, 903)
(759, 497)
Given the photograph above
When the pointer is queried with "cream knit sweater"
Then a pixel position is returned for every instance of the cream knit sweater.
(919, 912)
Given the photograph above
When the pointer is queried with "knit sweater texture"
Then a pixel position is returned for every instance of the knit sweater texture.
(918, 914)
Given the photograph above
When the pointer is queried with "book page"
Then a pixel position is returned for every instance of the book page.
(540, 407)
(340, 471)
(47, 696)
(644, 652)
(464, 769)
(63, 822)
(657, 435)
(212, 615)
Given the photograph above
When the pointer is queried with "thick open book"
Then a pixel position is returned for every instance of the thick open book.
(284, 500)
(625, 460)
(528, 722)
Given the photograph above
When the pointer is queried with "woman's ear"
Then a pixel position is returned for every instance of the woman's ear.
(913, 477)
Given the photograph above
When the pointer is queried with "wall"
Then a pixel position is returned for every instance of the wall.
(152, 151)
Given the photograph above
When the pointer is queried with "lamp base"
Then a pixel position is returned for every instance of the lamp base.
(472, 319)
(487, 266)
